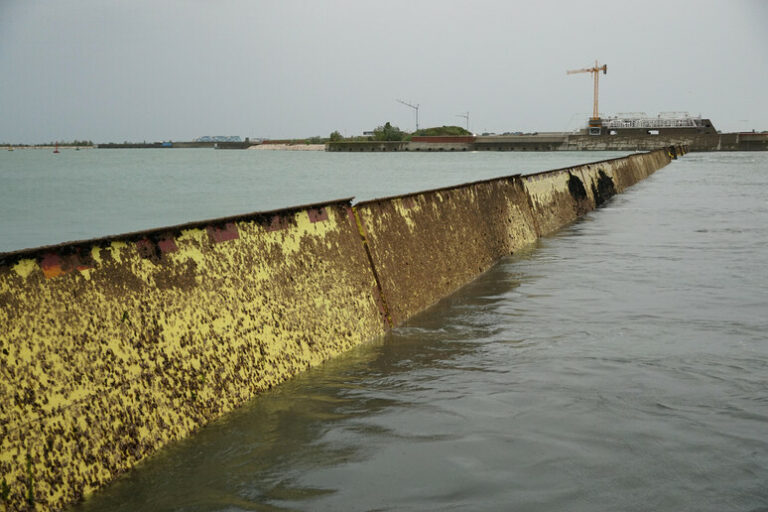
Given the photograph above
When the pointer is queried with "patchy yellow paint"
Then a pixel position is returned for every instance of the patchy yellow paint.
(290, 240)
(189, 245)
(405, 213)
(159, 347)
(103, 367)
(115, 248)
(96, 254)
(25, 267)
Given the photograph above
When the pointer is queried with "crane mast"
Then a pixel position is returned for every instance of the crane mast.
(594, 121)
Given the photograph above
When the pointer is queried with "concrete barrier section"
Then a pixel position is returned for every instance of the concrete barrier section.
(557, 198)
(625, 172)
(424, 246)
(112, 348)
(561, 196)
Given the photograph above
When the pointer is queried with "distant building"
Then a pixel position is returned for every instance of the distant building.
(219, 138)
(640, 123)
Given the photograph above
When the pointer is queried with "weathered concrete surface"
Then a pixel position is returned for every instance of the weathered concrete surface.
(635, 168)
(557, 198)
(112, 348)
(354, 146)
(439, 146)
(570, 142)
(560, 196)
(714, 142)
(426, 245)
(441, 143)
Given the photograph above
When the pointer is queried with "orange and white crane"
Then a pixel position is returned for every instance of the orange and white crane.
(595, 70)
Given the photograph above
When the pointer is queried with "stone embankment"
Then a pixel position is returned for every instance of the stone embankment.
(288, 147)
(114, 347)
(564, 142)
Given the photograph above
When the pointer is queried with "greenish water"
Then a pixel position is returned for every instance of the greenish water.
(620, 364)
(48, 198)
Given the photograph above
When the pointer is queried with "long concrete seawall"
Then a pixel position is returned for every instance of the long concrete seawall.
(112, 348)
(565, 142)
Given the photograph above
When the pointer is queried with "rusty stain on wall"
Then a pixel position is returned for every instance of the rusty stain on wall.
(112, 348)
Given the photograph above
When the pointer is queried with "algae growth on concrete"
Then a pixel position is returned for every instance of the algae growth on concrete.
(114, 347)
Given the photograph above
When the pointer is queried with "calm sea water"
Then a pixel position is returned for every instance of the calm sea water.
(48, 198)
(621, 364)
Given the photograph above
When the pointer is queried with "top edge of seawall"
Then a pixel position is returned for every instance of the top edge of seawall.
(597, 162)
(12, 256)
(511, 177)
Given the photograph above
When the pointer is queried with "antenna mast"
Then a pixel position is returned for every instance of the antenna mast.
(414, 107)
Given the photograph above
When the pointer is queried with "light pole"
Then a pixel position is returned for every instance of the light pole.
(465, 116)
(414, 107)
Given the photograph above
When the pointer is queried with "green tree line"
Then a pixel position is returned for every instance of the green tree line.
(389, 133)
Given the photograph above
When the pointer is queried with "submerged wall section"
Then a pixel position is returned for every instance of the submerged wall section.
(112, 348)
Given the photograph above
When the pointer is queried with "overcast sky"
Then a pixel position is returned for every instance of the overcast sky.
(109, 70)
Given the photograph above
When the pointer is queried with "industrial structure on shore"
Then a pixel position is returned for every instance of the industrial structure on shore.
(623, 132)
(634, 131)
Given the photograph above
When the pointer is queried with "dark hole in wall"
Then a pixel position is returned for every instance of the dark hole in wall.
(579, 194)
(604, 189)
(576, 187)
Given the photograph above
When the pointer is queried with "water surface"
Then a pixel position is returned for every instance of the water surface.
(48, 198)
(620, 364)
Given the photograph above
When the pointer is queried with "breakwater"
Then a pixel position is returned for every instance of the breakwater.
(175, 144)
(114, 347)
(565, 142)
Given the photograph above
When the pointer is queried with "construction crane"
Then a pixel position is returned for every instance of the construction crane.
(595, 119)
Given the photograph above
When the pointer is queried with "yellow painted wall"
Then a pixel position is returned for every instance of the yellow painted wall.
(105, 364)
(112, 348)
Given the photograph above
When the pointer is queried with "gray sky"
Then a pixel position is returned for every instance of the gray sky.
(110, 70)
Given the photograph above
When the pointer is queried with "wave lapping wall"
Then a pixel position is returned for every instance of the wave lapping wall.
(112, 348)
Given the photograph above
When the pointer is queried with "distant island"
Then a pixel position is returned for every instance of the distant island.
(639, 133)
(61, 144)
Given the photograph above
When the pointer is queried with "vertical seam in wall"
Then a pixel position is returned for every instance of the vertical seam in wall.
(367, 247)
